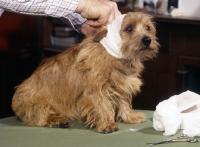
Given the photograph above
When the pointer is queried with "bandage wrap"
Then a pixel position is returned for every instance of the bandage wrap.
(113, 42)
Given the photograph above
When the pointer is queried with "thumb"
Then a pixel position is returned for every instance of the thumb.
(93, 23)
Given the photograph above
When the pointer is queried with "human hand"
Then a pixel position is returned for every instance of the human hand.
(87, 30)
(98, 12)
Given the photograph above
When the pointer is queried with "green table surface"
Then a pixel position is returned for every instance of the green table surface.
(14, 134)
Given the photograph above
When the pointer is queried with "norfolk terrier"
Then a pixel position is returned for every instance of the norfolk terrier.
(92, 82)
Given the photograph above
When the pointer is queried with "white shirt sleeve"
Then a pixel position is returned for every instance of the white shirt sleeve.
(75, 20)
(1, 11)
(53, 8)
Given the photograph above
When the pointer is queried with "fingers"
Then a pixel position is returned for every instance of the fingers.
(88, 30)
(98, 23)
(107, 17)
(100, 12)
(115, 13)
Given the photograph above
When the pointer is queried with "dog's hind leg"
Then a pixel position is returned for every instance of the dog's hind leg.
(38, 113)
(44, 115)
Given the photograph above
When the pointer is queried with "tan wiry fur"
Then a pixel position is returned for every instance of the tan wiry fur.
(87, 84)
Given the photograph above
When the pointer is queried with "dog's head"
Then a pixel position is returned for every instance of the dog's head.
(137, 37)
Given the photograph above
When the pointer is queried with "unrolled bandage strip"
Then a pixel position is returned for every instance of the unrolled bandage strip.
(178, 112)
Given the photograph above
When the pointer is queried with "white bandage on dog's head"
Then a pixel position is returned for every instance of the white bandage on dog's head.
(113, 42)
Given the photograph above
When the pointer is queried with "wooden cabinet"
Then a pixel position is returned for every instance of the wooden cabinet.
(19, 54)
(177, 66)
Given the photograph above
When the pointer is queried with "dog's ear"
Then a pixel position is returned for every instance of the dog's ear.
(100, 34)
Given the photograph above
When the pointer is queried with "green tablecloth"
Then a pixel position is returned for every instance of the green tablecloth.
(14, 134)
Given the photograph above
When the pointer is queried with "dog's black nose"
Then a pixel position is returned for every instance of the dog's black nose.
(146, 41)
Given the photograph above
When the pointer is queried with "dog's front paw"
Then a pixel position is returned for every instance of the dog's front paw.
(108, 127)
(135, 118)
(58, 122)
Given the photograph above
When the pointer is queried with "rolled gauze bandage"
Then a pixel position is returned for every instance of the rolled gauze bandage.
(167, 117)
(178, 112)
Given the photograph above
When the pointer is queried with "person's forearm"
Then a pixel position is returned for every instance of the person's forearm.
(54, 8)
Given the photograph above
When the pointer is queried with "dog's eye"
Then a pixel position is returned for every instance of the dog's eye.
(129, 29)
(148, 28)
